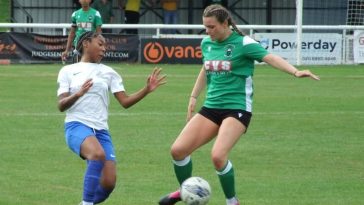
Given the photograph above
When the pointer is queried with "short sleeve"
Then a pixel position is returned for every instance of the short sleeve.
(98, 19)
(63, 83)
(73, 19)
(253, 49)
(116, 83)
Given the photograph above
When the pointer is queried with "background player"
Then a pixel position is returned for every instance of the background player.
(84, 19)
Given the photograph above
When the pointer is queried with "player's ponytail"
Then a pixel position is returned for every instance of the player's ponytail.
(222, 15)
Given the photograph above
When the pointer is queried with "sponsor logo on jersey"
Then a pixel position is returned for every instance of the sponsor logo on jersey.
(229, 50)
(217, 66)
(84, 25)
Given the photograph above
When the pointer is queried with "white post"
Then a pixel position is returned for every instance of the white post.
(299, 9)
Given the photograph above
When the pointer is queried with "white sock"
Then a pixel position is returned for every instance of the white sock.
(233, 201)
(87, 203)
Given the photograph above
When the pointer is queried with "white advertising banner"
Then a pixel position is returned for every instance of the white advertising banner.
(358, 46)
(317, 48)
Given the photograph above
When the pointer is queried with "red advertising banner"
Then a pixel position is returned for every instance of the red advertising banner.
(171, 51)
(36, 48)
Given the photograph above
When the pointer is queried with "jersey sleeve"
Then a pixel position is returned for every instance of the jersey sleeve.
(73, 19)
(63, 82)
(253, 49)
(203, 48)
(98, 19)
(116, 83)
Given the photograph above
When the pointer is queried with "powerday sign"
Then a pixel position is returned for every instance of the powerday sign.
(317, 48)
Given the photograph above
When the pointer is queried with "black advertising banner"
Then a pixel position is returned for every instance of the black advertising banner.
(121, 48)
(171, 51)
(36, 48)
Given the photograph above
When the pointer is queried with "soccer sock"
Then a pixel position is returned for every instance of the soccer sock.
(233, 200)
(183, 169)
(91, 180)
(101, 194)
(227, 181)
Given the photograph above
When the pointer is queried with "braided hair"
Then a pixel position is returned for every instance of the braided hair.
(85, 36)
(221, 14)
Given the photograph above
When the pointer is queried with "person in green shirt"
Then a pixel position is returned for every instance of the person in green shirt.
(227, 71)
(84, 19)
(105, 9)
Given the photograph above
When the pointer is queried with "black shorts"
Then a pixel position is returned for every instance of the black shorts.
(218, 115)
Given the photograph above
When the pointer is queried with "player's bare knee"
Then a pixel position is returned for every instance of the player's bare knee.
(218, 160)
(109, 183)
(178, 153)
(97, 155)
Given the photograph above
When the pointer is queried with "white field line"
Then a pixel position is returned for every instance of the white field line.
(169, 75)
(51, 114)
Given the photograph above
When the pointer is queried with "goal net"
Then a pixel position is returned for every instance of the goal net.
(355, 12)
(355, 38)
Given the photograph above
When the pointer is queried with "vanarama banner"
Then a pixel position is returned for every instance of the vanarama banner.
(171, 51)
(36, 48)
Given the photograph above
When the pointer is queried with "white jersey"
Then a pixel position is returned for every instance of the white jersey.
(92, 108)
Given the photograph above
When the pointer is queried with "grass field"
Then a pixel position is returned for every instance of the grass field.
(305, 145)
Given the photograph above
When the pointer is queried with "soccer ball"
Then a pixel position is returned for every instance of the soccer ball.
(195, 191)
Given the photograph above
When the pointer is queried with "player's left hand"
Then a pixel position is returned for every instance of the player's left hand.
(155, 79)
(306, 73)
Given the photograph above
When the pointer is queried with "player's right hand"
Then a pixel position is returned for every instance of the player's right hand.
(64, 55)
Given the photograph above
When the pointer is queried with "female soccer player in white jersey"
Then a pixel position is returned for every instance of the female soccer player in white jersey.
(228, 57)
(84, 93)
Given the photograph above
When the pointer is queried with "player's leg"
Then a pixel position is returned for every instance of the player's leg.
(198, 131)
(94, 153)
(230, 132)
(108, 177)
(81, 140)
(107, 182)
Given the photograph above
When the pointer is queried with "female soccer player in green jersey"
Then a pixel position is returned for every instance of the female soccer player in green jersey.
(83, 20)
(228, 65)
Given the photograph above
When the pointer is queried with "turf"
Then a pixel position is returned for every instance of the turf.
(304, 146)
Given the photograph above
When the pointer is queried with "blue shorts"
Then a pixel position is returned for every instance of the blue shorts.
(77, 132)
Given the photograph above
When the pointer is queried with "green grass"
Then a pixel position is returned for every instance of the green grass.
(304, 146)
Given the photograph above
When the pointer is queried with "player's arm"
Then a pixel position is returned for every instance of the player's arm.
(98, 22)
(98, 29)
(70, 38)
(281, 64)
(197, 88)
(129, 100)
(199, 84)
(66, 100)
(153, 82)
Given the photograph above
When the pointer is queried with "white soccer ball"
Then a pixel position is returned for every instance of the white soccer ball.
(195, 191)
